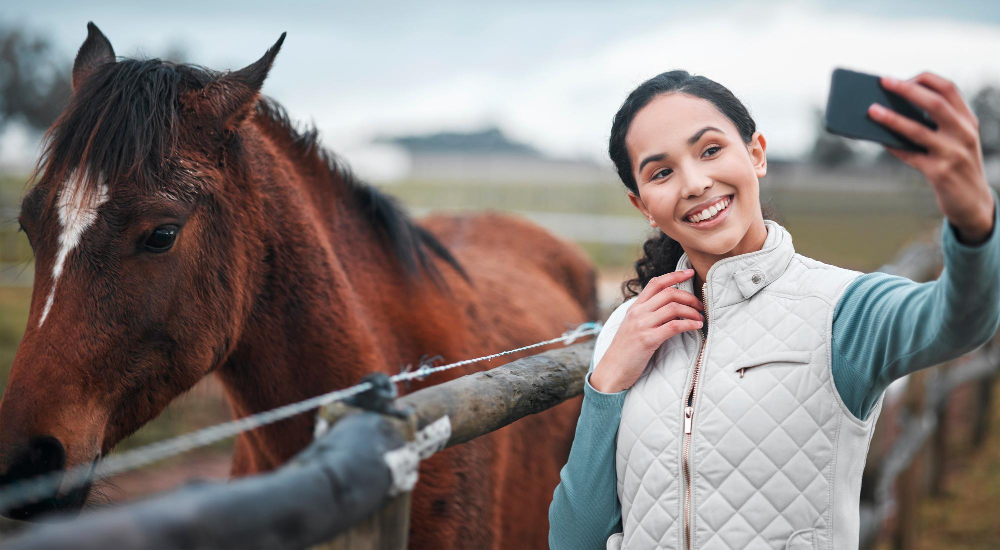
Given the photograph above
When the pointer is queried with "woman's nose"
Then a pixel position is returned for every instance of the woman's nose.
(695, 184)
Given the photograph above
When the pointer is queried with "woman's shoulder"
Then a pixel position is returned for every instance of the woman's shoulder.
(805, 275)
(813, 264)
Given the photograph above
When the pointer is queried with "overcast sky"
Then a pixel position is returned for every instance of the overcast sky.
(549, 74)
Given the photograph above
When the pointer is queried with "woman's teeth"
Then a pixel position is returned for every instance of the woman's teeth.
(710, 212)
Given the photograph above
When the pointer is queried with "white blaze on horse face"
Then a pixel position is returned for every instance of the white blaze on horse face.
(77, 211)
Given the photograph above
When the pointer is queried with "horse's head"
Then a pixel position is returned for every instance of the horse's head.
(145, 231)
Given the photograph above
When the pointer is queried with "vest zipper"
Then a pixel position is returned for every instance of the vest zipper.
(689, 421)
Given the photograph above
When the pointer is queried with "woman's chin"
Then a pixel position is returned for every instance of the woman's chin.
(720, 243)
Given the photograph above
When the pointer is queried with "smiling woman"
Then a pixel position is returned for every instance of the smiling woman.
(715, 139)
(753, 431)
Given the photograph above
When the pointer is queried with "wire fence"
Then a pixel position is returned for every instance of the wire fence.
(42, 487)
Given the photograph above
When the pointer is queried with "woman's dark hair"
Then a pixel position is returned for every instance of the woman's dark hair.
(660, 252)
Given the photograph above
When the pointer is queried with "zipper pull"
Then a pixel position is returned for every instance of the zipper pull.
(741, 372)
(688, 413)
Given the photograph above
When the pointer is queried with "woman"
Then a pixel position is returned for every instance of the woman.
(733, 399)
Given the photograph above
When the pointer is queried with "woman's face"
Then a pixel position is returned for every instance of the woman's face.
(687, 156)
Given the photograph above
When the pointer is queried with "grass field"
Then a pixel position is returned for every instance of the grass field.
(857, 231)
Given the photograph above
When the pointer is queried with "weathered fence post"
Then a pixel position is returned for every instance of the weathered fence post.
(908, 486)
(388, 527)
(981, 422)
(939, 452)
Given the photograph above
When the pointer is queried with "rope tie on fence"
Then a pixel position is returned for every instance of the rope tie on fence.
(404, 462)
(42, 487)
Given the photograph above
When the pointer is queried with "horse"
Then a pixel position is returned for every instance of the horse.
(183, 226)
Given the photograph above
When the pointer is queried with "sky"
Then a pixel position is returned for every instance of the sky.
(550, 74)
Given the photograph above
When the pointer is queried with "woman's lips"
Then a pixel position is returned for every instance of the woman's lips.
(719, 218)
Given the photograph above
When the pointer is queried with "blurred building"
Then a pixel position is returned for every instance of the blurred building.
(488, 156)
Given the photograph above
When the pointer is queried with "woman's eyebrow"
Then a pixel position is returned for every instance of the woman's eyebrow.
(694, 139)
(691, 141)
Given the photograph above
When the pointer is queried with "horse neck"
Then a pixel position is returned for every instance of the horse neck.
(320, 320)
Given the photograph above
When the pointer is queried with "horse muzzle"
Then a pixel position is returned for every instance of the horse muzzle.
(43, 455)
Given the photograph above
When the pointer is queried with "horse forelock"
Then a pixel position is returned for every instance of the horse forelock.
(123, 123)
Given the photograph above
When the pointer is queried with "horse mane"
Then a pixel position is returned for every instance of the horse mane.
(408, 241)
(122, 125)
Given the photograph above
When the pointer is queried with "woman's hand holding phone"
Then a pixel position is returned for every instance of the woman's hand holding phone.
(954, 162)
(658, 313)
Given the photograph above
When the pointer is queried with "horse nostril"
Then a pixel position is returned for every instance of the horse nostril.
(46, 454)
(43, 454)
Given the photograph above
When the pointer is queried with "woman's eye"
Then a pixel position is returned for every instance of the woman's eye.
(715, 148)
(162, 238)
(661, 174)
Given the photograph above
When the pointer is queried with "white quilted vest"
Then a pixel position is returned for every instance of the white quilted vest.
(775, 455)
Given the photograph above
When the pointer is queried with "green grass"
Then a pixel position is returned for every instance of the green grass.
(606, 199)
(12, 187)
(14, 303)
(858, 231)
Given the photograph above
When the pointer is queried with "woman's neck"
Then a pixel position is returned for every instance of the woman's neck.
(702, 262)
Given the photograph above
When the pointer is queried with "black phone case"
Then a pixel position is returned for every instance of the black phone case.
(851, 93)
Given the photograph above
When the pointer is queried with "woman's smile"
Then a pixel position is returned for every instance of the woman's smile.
(712, 216)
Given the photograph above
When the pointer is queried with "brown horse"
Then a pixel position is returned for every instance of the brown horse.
(182, 227)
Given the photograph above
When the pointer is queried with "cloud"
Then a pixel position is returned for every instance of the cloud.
(777, 59)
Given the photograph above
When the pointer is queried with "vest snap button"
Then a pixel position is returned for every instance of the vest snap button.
(756, 278)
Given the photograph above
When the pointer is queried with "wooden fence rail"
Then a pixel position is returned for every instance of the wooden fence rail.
(922, 421)
(336, 485)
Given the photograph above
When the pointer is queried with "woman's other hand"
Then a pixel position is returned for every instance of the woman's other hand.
(658, 313)
(954, 162)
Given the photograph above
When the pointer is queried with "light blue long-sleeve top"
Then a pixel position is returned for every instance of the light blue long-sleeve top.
(884, 327)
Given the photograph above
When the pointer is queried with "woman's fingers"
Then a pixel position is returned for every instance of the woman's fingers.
(911, 129)
(671, 294)
(956, 141)
(936, 105)
(662, 282)
(677, 326)
(675, 310)
(947, 89)
(919, 161)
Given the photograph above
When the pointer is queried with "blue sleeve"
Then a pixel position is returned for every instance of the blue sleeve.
(585, 510)
(885, 326)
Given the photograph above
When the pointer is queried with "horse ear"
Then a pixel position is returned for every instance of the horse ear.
(232, 96)
(95, 51)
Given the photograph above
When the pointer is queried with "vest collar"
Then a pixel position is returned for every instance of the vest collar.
(737, 278)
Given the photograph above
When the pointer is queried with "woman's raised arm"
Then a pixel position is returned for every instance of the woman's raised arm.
(886, 327)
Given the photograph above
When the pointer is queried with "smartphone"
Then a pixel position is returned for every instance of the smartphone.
(851, 93)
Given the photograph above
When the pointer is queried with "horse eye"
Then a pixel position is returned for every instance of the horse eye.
(162, 238)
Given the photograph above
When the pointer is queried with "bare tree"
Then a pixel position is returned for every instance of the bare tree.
(35, 85)
(986, 105)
